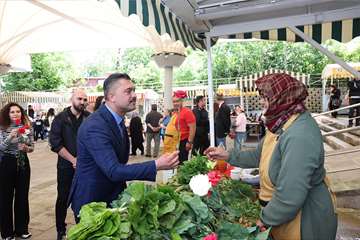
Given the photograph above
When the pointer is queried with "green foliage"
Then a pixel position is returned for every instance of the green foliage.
(161, 213)
(196, 165)
(234, 201)
(50, 71)
(138, 64)
(230, 231)
(105, 61)
(99, 222)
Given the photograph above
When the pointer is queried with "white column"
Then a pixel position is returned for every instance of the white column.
(210, 93)
(168, 79)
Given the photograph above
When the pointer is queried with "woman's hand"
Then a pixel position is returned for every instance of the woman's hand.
(22, 147)
(14, 133)
(216, 153)
(261, 225)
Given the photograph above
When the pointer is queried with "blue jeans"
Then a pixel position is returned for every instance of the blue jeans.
(221, 141)
(240, 137)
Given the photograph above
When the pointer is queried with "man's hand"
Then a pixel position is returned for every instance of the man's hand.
(73, 161)
(216, 153)
(167, 161)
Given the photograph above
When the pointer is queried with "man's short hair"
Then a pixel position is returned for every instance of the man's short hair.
(220, 97)
(111, 80)
(198, 99)
(153, 107)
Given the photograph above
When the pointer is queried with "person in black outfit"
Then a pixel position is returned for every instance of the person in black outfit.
(335, 101)
(136, 134)
(63, 135)
(31, 112)
(201, 140)
(38, 128)
(222, 121)
(354, 97)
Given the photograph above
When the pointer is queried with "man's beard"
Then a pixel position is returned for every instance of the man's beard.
(80, 108)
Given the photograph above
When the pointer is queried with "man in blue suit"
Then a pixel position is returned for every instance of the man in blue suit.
(103, 149)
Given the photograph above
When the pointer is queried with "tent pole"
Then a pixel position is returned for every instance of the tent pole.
(325, 51)
(210, 93)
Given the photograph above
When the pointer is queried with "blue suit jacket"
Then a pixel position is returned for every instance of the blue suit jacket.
(101, 169)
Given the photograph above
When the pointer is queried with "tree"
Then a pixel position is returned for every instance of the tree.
(50, 71)
(104, 61)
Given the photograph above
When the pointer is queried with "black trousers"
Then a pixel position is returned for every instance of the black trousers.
(354, 112)
(183, 153)
(139, 146)
(64, 181)
(38, 132)
(14, 182)
(201, 143)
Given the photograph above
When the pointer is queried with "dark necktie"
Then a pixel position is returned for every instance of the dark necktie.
(124, 134)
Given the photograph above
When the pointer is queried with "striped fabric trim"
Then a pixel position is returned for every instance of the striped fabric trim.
(155, 13)
(342, 31)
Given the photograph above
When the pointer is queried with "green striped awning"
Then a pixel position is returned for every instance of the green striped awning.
(342, 31)
(155, 13)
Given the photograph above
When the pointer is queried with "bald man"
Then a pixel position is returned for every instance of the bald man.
(63, 137)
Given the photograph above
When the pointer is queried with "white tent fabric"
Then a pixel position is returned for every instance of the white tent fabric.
(48, 26)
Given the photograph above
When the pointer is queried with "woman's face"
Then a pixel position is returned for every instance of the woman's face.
(15, 113)
(264, 103)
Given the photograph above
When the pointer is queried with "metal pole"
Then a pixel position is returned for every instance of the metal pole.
(326, 52)
(210, 93)
(341, 131)
(338, 109)
(323, 100)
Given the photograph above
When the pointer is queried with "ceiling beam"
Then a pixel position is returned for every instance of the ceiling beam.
(282, 22)
(236, 10)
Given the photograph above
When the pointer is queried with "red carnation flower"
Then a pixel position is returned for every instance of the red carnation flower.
(214, 177)
(211, 236)
(21, 130)
(228, 170)
(17, 122)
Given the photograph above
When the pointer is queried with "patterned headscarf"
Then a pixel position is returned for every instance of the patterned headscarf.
(286, 97)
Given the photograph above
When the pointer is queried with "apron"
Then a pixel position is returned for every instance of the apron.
(172, 136)
(290, 230)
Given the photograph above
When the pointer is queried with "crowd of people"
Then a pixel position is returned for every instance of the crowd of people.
(93, 151)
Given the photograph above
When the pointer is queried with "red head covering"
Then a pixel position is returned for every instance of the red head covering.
(286, 97)
(180, 94)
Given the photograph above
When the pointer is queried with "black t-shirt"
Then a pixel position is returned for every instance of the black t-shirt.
(354, 88)
(38, 124)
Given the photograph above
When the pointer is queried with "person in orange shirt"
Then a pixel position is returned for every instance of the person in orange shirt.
(185, 123)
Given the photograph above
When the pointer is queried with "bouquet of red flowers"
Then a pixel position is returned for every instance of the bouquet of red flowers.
(23, 133)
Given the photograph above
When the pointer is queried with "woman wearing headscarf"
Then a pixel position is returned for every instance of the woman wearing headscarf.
(136, 134)
(294, 192)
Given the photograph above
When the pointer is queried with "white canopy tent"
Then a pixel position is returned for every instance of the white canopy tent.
(313, 21)
(34, 26)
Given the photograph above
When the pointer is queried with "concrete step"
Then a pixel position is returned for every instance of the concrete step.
(335, 142)
(336, 123)
(346, 137)
(328, 148)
